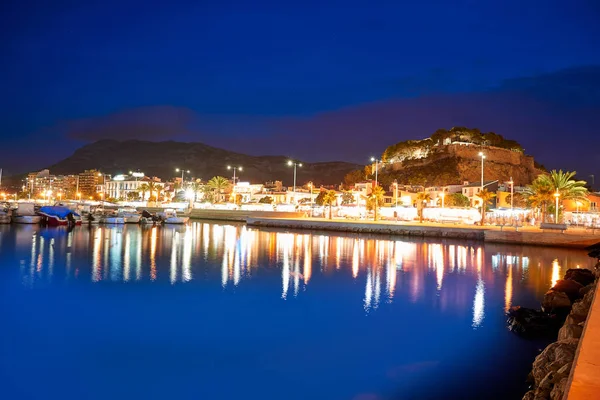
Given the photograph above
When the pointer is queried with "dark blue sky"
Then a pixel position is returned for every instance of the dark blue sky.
(317, 80)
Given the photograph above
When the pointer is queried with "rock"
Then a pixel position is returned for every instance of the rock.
(570, 331)
(528, 322)
(558, 391)
(529, 395)
(583, 276)
(554, 300)
(584, 290)
(569, 287)
(553, 358)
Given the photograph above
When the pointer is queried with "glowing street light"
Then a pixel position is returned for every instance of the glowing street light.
(295, 164)
(182, 172)
(310, 186)
(512, 194)
(482, 158)
(556, 196)
(377, 162)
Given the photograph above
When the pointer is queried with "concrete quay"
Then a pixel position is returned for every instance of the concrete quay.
(584, 380)
(524, 236)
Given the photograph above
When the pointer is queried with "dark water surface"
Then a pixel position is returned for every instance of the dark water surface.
(213, 311)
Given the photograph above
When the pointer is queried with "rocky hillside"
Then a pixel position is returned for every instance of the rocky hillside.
(452, 157)
(162, 158)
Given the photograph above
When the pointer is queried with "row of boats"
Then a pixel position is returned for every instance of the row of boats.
(57, 215)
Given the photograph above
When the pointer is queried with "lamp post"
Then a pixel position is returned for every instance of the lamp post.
(482, 158)
(310, 186)
(376, 161)
(234, 178)
(103, 189)
(396, 192)
(79, 196)
(443, 195)
(556, 196)
(182, 172)
(512, 194)
(295, 164)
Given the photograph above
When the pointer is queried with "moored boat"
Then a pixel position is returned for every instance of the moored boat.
(131, 215)
(25, 214)
(59, 216)
(170, 217)
(112, 220)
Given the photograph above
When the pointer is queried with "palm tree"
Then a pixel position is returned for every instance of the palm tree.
(143, 190)
(197, 188)
(219, 185)
(486, 196)
(151, 189)
(422, 199)
(377, 198)
(329, 198)
(541, 193)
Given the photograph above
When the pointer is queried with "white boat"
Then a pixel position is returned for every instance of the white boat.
(112, 220)
(170, 217)
(25, 214)
(131, 215)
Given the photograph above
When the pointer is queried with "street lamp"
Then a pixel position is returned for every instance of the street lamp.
(234, 178)
(310, 186)
(376, 161)
(295, 164)
(79, 195)
(482, 158)
(512, 194)
(556, 196)
(182, 172)
(396, 191)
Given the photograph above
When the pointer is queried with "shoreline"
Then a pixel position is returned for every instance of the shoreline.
(531, 236)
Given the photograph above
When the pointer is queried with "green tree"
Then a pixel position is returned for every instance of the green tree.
(320, 197)
(486, 197)
(197, 187)
(329, 198)
(422, 199)
(347, 198)
(457, 200)
(266, 200)
(354, 177)
(219, 186)
(520, 200)
(377, 199)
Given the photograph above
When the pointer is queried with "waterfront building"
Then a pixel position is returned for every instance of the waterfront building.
(88, 183)
(126, 187)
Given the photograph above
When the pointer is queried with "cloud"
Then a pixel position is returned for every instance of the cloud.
(147, 123)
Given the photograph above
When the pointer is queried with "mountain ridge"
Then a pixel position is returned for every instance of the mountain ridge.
(160, 159)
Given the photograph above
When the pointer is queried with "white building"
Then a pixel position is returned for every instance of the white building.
(120, 186)
(247, 190)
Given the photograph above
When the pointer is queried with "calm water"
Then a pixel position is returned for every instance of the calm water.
(214, 311)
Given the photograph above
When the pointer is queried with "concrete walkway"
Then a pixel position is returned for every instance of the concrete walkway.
(584, 382)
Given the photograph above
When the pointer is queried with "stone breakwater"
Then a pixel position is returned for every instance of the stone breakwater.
(565, 307)
(370, 228)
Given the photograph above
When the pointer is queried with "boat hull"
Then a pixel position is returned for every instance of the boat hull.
(113, 220)
(26, 219)
(53, 220)
(177, 220)
(133, 219)
(4, 219)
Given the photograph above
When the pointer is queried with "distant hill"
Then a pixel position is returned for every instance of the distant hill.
(161, 158)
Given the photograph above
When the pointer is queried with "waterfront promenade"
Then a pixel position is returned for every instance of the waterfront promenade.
(584, 381)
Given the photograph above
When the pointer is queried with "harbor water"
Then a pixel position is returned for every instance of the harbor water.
(224, 311)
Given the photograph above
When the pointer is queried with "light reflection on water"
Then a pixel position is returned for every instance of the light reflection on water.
(396, 295)
(125, 252)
